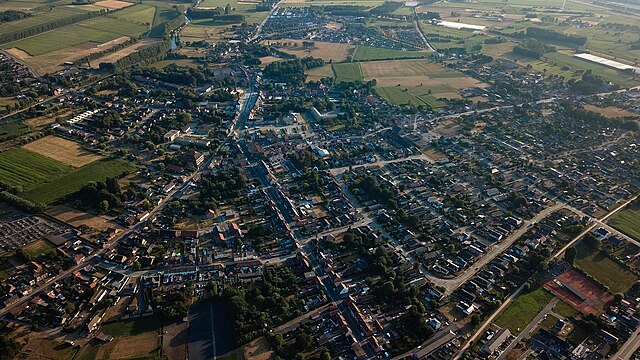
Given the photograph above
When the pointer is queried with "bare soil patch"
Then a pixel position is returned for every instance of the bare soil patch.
(324, 50)
(611, 111)
(258, 349)
(77, 218)
(132, 346)
(113, 4)
(63, 150)
(176, 340)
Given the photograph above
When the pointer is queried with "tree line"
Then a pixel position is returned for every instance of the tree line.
(532, 48)
(145, 55)
(12, 15)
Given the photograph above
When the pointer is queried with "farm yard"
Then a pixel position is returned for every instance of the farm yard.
(63, 150)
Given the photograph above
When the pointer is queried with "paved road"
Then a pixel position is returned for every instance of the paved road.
(507, 301)
(532, 325)
(629, 347)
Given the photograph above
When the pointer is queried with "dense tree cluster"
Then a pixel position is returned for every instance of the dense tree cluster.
(555, 36)
(145, 55)
(176, 303)
(532, 48)
(8, 348)
(221, 186)
(587, 84)
(180, 75)
(12, 15)
(291, 71)
(101, 195)
(270, 302)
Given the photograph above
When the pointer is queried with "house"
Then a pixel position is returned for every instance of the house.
(192, 159)
(495, 342)
(171, 135)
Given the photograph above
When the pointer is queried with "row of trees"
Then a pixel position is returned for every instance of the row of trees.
(34, 30)
(110, 50)
(145, 55)
(22, 203)
(12, 15)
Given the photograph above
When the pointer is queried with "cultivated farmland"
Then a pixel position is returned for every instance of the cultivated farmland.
(20, 167)
(370, 53)
(63, 150)
(628, 222)
(347, 72)
(72, 181)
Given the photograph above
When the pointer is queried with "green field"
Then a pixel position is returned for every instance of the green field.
(132, 327)
(37, 248)
(42, 17)
(604, 269)
(12, 129)
(71, 182)
(114, 25)
(566, 65)
(564, 309)
(524, 309)
(346, 72)
(371, 53)
(414, 96)
(628, 222)
(61, 38)
(164, 13)
(141, 14)
(20, 167)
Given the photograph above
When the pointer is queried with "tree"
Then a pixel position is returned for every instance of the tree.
(104, 206)
(227, 9)
(570, 255)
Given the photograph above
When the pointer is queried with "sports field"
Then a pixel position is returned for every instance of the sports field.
(63, 150)
(604, 269)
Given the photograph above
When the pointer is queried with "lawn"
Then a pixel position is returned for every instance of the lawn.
(346, 72)
(371, 53)
(71, 182)
(564, 309)
(20, 167)
(114, 25)
(37, 248)
(628, 222)
(524, 309)
(604, 269)
(132, 327)
(163, 14)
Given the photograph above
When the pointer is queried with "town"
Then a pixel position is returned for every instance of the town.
(319, 180)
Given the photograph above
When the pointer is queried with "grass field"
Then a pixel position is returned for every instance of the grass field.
(628, 222)
(142, 14)
(565, 65)
(564, 309)
(63, 150)
(11, 129)
(24, 168)
(604, 269)
(37, 248)
(163, 14)
(346, 72)
(414, 96)
(320, 73)
(371, 53)
(64, 185)
(42, 17)
(524, 309)
(61, 38)
(132, 327)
